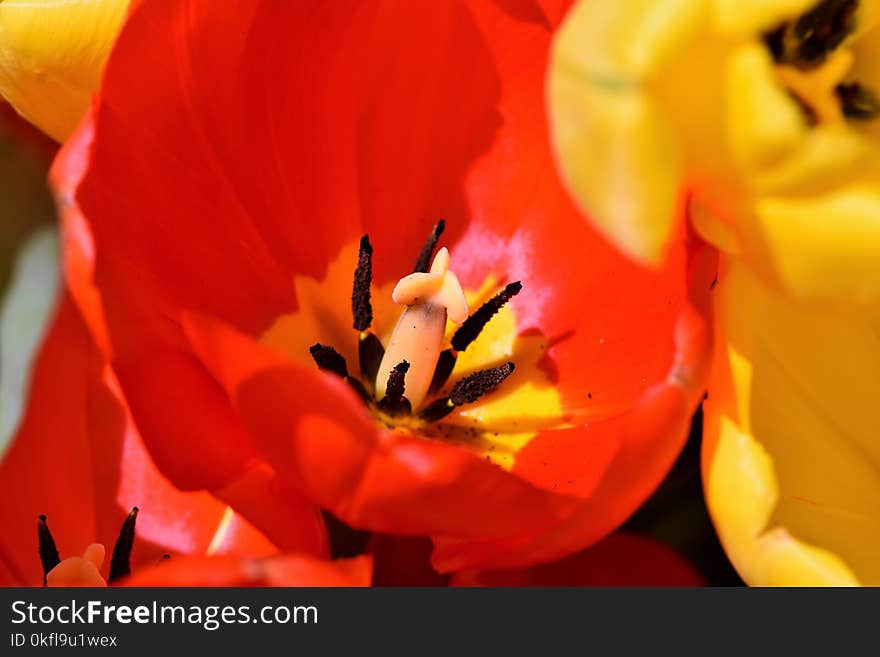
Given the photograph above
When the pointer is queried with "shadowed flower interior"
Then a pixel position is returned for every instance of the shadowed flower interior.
(815, 62)
(437, 371)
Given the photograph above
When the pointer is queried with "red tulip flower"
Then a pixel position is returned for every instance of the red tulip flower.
(77, 465)
(252, 216)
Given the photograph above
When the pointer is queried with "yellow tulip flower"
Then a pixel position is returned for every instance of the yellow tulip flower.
(51, 57)
(766, 110)
(764, 113)
(791, 456)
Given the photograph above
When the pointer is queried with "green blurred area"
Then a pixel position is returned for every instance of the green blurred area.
(28, 261)
(25, 202)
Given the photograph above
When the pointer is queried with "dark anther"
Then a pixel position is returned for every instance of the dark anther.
(361, 309)
(120, 562)
(164, 557)
(397, 381)
(823, 28)
(394, 402)
(466, 391)
(775, 42)
(445, 365)
(857, 102)
(807, 41)
(48, 552)
(474, 324)
(370, 352)
(474, 386)
(423, 262)
(328, 359)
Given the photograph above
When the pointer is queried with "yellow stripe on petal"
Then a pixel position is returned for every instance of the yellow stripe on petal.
(51, 57)
(791, 462)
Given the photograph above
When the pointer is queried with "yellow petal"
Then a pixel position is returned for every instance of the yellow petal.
(823, 248)
(828, 156)
(620, 161)
(743, 18)
(626, 40)
(866, 66)
(616, 149)
(768, 133)
(51, 57)
(764, 123)
(791, 462)
(867, 17)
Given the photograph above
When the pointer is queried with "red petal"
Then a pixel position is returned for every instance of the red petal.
(620, 560)
(287, 570)
(77, 458)
(225, 462)
(47, 468)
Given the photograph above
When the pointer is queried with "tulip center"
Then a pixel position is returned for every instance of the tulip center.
(814, 64)
(402, 381)
(85, 570)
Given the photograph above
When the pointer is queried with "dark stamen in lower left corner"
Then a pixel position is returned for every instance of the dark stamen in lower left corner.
(49, 556)
(120, 563)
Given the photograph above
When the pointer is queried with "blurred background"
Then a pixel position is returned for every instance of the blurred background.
(28, 258)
